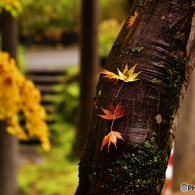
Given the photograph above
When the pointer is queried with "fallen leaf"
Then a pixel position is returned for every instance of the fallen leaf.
(113, 113)
(127, 75)
(132, 20)
(109, 75)
(111, 138)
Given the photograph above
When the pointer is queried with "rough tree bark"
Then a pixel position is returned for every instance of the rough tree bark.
(157, 44)
(89, 70)
(8, 143)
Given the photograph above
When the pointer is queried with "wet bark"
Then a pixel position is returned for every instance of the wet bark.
(89, 70)
(157, 43)
(8, 143)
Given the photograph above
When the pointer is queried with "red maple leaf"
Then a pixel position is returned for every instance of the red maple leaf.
(113, 113)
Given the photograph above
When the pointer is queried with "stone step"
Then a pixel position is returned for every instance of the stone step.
(45, 89)
(46, 72)
(50, 84)
(45, 79)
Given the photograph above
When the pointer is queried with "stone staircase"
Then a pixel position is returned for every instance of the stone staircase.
(50, 84)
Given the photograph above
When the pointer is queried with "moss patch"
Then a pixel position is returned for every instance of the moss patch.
(146, 175)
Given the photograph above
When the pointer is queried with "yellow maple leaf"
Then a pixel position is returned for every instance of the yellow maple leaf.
(132, 20)
(111, 138)
(127, 75)
(109, 75)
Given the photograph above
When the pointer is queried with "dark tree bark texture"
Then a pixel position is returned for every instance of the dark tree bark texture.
(157, 43)
(88, 73)
(8, 143)
(8, 162)
(9, 33)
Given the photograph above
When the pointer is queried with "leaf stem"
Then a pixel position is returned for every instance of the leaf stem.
(119, 90)
(112, 121)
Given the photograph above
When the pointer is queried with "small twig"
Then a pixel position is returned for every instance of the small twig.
(119, 90)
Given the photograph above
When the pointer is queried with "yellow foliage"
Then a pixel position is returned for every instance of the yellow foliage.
(108, 31)
(19, 94)
(12, 6)
(14, 3)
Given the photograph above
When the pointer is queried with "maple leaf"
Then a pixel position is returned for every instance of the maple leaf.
(127, 75)
(132, 20)
(111, 138)
(109, 75)
(113, 113)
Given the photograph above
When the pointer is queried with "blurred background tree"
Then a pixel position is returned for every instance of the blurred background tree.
(8, 143)
(184, 156)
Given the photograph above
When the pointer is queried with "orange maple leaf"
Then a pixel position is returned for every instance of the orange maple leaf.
(132, 20)
(113, 113)
(111, 138)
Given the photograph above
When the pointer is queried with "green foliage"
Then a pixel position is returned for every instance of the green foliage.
(56, 175)
(21, 59)
(15, 7)
(43, 14)
(108, 31)
(111, 23)
(68, 104)
(113, 9)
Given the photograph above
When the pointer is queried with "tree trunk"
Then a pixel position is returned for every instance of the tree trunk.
(8, 143)
(9, 32)
(184, 155)
(156, 42)
(8, 162)
(88, 73)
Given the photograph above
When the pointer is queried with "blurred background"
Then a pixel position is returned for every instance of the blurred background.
(51, 51)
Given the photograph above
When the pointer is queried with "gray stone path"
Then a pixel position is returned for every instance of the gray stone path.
(52, 58)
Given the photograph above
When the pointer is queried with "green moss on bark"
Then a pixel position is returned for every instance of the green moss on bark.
(137, 170)
(173, 80)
